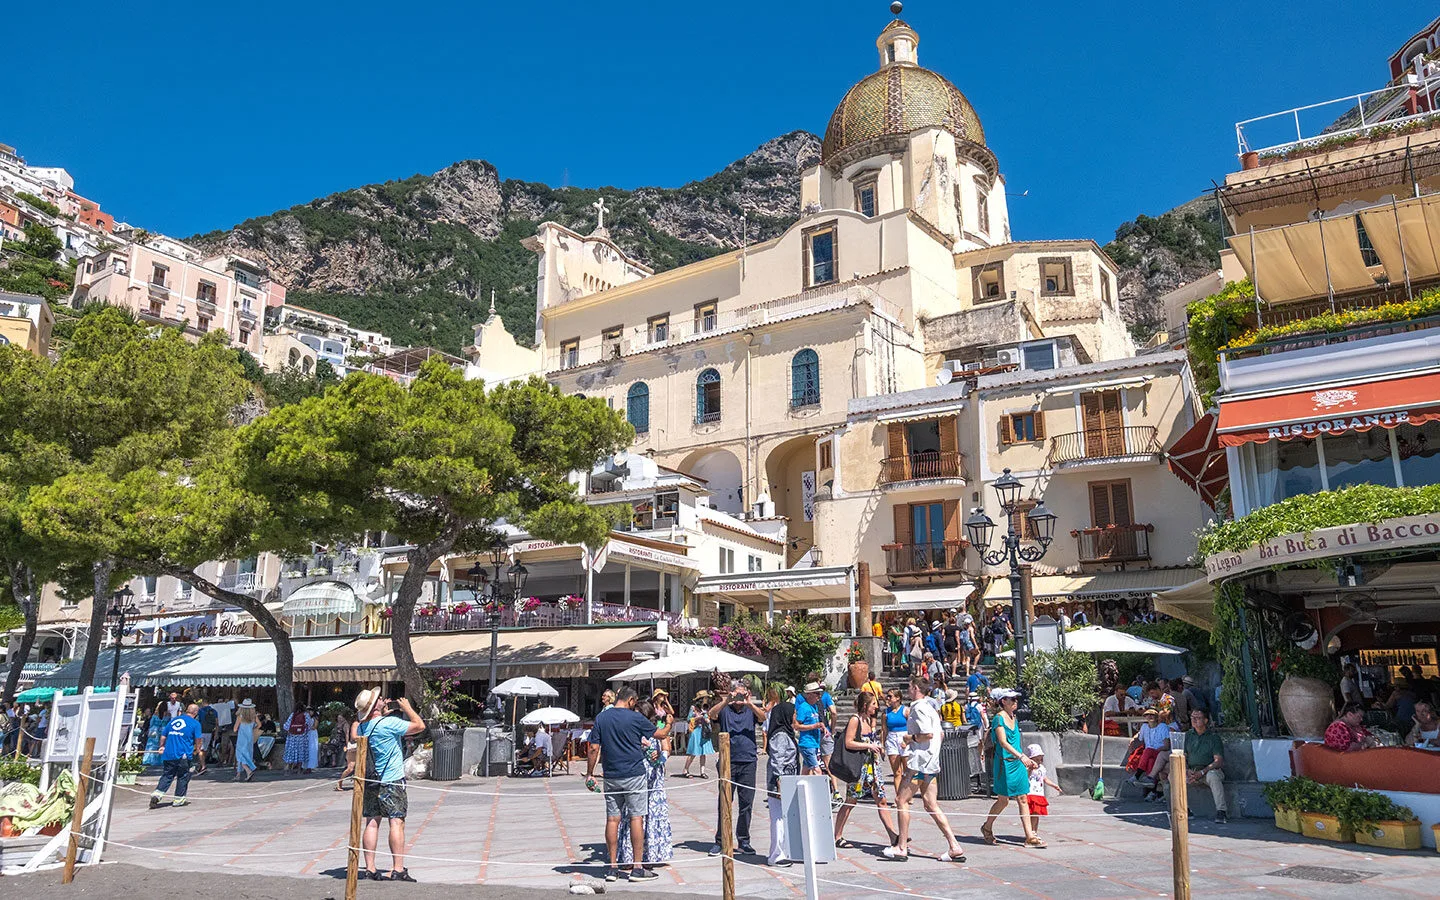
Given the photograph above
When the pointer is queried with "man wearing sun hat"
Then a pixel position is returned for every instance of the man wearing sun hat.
(385, 796)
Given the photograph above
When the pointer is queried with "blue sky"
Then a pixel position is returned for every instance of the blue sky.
(211, 113)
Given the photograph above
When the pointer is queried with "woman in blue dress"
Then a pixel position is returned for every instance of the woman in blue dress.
(699, 742)
(154, 728)
(1010, 778)
(245, 734)
(659, 840)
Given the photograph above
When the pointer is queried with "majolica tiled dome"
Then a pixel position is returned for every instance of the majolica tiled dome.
(897, 100)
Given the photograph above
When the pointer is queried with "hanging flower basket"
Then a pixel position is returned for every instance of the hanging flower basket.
(427, 611)
(387, 613)
(572, 602)
(461, 609)
(528, 604)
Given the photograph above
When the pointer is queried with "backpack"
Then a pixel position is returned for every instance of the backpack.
(297, 724)
(209, 718)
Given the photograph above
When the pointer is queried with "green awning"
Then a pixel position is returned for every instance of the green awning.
(243, 663)
(45, 694)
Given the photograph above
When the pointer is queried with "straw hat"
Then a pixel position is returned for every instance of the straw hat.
(247, 703)
(951, 695)
(366, 700)
(813, 686)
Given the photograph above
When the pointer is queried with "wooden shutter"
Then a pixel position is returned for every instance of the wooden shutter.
(902, 524)
(899, 464)
(1113, 422)
(1007, 429)
(952, 520)
(1100, 503)
(947, 437)
(1120, 503)
(1039, 417)
(1090, 406)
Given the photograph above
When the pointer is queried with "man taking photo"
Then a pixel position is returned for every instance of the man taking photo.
(386, 724)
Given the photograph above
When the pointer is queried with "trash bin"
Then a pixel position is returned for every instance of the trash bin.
(955, 763)
(498, 749)
(445, 761)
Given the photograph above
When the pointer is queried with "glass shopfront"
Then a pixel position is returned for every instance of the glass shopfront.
(1407, 455)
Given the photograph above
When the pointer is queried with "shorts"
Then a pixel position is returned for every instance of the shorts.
(809, 757)
(385, 800)
(626, 798)
(1039, 806)
(895, 744)
(923, 777)
(827, 743)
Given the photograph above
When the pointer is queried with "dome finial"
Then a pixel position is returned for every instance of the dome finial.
(897, 8)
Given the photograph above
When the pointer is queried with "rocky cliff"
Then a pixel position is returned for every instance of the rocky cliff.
(418, 258)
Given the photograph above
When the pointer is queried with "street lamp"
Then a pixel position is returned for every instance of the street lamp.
(121, 609)
(503, 592)
(1013, 547)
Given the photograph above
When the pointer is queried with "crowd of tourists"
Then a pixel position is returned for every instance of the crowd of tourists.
(23, 727)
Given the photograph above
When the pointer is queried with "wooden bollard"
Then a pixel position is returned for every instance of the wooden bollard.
(77, 819)
(357, 817)
(727, 821)
(1179, 825)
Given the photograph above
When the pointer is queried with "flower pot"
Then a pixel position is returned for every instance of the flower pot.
(1250, 160)
(859, 673)
(1287, 820)
(1391, 835)
(6, 828)
(1325, 828)
(1308, 706)
(126, 777)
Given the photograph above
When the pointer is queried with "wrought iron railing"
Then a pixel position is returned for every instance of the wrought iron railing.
(1104, 443)
(920, 466)
(430, 618)
(1113, 543)
(944, 558)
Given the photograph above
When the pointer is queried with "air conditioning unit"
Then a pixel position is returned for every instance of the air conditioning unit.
(955, 365)
(664, 521)
(1008, 357)
(973, 366)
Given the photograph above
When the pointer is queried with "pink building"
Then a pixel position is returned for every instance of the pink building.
(167, 282)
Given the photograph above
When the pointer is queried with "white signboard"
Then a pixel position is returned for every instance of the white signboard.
(808, 826)
(1287, 549)
(64, 735)
(807, 495)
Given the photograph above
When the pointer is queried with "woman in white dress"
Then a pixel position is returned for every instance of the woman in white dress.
(312, 742)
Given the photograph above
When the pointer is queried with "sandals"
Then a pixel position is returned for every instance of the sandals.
(987, 833)
(1035, 842)
(843, 844)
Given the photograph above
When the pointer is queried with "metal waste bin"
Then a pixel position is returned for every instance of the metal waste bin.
(954, 764)
(499, 747)
(445, 760)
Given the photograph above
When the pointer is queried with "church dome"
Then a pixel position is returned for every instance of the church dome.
(899, 99)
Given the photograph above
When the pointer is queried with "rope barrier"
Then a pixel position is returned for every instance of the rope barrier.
(308, 787)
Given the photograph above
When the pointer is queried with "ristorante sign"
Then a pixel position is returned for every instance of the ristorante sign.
(1412, 400)
(1345, 540)
(1339, 425)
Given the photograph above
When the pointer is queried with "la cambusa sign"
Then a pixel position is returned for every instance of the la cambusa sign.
(1343, 540)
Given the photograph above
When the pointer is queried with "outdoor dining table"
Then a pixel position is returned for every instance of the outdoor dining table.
(1130, 722)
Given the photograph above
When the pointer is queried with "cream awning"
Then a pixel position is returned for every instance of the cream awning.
(247, 663)
(1096, 587)
(323, 600)
(542, 652)
(1406, 237)
(807, 589)
(1291, 263)
(1192, 602)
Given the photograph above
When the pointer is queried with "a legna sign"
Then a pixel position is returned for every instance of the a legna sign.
(1409, 531)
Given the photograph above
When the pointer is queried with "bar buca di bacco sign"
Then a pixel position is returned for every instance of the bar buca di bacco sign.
(1409, 531)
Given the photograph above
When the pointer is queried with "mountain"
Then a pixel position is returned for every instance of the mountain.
(418, 258)
(1157, 255)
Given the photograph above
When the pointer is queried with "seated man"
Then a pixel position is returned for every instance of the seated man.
(1117, 704)
(538, 751)
(1149, 754)
(1205, 761)
(1348, 732)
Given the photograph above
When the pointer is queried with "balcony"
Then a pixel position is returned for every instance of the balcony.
(1113, 543)
(1130, 443)
(935, 560)
(242, 582)
(924, 467)
(431, 619)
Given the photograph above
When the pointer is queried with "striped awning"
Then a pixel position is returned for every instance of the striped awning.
(247, 663)
(323, 600)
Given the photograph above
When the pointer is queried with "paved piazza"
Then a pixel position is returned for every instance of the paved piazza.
(539, 833)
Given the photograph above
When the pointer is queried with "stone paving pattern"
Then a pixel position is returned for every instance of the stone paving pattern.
(546, 833)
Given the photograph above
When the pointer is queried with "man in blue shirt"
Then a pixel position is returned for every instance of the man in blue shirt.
(737, 714)
(385, 724)
(177, 749)
(809, 723)
(976, 680)
(617, 742)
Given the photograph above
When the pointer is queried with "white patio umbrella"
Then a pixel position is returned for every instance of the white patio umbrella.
(1098, 639)
(690, 662)
(550, 715)
(525, 686)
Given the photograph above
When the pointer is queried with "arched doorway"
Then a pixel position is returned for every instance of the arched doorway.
(723, 475)
(790, 482)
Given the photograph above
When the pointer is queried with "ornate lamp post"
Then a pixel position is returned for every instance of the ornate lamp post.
(1013, 547)
(122, 611)
(502, 592)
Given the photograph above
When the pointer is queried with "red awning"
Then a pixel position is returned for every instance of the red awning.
(1198, 460)
(1413, 400)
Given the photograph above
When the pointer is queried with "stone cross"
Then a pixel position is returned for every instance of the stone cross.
(599, 206)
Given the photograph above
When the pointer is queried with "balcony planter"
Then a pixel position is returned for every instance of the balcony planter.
(1391, 835)
(126, 777)
(1325, 828)
(1250, 160)
(889, 547)
(1287, 820)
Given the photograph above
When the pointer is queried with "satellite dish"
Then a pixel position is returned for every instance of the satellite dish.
(944, 376)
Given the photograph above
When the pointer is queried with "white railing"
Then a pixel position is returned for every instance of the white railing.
(639, 338)
(1367, 111)
(242, 582)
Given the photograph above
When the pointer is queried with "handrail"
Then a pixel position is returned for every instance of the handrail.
(945, 557)
(1104, 443)
(1113, 543)
(921, 466)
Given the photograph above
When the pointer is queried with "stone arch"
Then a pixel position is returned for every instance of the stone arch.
(785, 467)
(724, 476)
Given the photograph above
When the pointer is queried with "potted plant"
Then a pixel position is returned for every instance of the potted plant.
(461, 608)
(1379, 821)
(1321, 808)
(128, 768)
(859, 665)
(1283, 798)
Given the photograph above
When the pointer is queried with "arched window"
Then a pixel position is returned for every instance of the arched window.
(637, 407)
(805, 379)
(707, 396)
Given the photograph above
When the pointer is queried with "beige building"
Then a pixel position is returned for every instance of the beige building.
(286, 351)
(26, 321)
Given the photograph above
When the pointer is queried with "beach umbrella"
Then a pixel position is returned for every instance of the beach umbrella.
(550, 715)
(1098, 639)
(690, 662)
(525, 686)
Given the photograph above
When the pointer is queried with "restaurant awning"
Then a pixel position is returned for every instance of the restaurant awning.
(1100, 586)
(247, 663)
(541, 652)
(1406, 236)
(1292, 262)
(323, 600)
(1198, 459)
(1389, 403)
(1192, 602)
(811, 589)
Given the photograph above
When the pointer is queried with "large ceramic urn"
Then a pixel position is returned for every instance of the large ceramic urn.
(1308, 706)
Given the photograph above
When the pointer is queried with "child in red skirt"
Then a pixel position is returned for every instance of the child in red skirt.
(1039, 780)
